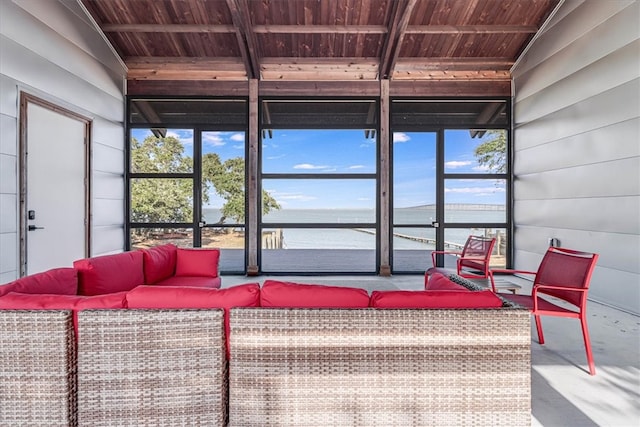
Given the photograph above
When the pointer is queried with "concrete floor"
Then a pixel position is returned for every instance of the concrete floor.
(563, 392)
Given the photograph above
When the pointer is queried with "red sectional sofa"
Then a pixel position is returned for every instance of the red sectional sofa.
(270, 343)
(165, 265)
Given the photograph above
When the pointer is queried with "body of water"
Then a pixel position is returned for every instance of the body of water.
(362, 237)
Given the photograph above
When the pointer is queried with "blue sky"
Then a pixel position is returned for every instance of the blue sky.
(349, 151)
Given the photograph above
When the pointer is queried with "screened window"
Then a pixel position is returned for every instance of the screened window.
(186, 175)
(319, 181)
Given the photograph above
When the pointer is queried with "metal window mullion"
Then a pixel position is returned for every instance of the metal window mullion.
(197, 188)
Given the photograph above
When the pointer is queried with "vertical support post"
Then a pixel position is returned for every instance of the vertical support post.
(385, 181)
(253, 199)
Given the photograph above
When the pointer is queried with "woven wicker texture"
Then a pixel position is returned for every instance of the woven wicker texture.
(306, 367)
(37, 368)
(151, 367)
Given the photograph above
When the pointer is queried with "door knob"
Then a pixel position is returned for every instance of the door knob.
(33, 227)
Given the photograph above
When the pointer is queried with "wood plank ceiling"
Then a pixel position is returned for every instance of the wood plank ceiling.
(319, 40)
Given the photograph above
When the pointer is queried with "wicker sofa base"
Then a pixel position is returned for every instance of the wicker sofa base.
(297, 367)
(305, 367)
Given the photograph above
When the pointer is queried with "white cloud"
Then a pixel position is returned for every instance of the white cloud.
(181, 137)
(238, 137)
(309, 166)
(356, 167)
(213, 138)
(400, 137)
(298, 197)
(456, 164)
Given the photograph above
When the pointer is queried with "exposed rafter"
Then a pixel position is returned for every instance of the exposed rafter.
(449, 43)
(399, 22)
(471, 29)
(320, 29)
(167, 28)
(246, 37)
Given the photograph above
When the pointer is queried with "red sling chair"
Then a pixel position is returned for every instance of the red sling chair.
(563, 274)
(473, 261)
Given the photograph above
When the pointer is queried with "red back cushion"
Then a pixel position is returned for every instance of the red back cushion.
(175, 297)
(434, 299)
(287, 294)
(439, 282)
(110, 273)
(60, 281)
(159, 263)
(197, 262)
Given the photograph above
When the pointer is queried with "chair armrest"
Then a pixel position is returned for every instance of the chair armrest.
(434, 253)
(505, 270)
(559, 288)
(541, 288)
(473, 258)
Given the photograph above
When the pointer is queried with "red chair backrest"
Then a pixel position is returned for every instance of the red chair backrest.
(478, 246)
(568, 268)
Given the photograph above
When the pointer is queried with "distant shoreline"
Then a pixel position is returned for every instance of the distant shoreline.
(462, 207)
(448, 206)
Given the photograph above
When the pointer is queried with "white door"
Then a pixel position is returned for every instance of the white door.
(54, 153)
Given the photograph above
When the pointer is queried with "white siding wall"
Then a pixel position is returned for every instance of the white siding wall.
(577, 144)
(49, 48)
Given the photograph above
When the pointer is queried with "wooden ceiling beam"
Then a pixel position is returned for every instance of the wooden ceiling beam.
(167, 28)
(463, 75)
(471, 29)
(320, 29)
(452, 64)
(246, 37)
(185, 68)
(319, 68)
(399, 22)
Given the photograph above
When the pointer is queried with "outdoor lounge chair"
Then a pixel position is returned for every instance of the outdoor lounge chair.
(565, 275)
(473, 261)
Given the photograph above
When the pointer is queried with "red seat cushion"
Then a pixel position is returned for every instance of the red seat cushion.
(110, 273)
(159, 263)
(286, 294)
(439, 282)
(176, 297)
(59, 281)
(194, 282)
(197, 262)
(434, 299)
(18, 301)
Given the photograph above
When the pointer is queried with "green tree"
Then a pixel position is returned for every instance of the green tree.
(493, 152)
(160, 199)
(227, 180)
(171, 199)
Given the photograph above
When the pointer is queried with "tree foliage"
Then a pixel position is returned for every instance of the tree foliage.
(160, 199)
(493, 152)
(171, 199)
(227, 180)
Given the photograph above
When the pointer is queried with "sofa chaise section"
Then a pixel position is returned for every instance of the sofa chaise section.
(164, 265)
